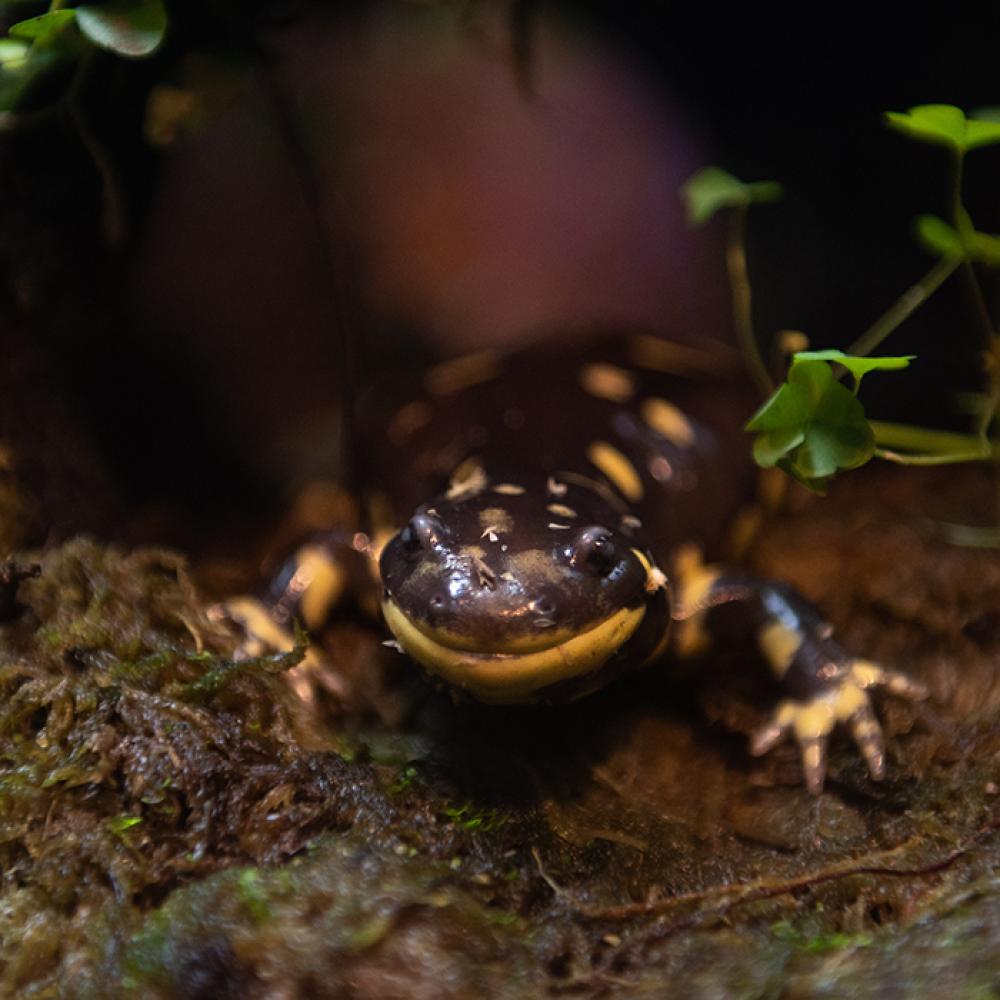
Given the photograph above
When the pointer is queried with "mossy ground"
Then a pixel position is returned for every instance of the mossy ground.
(174, 823)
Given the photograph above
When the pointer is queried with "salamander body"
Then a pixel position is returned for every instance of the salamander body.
(550, 503)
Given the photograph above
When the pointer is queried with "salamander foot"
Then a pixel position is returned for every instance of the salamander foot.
(844, 698)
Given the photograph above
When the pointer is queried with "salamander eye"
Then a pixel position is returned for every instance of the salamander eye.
(423, 532)
(593, 549)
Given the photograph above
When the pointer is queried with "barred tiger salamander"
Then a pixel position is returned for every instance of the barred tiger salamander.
(557, 549)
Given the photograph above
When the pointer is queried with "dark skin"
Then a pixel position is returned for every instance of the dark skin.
(539, 572)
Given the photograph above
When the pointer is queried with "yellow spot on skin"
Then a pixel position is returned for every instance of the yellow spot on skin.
(467, 480)
(694, 581)
(779, 645)
(506, 679)
(561, 510)
(694, 578)
(667, 419)
(607, 382)
(657, 354)
(558, 527)
(509, 489)
(745, 530)
(407, 421)
(495, 519)
(460, 373)
(617, 468)
(555, 489)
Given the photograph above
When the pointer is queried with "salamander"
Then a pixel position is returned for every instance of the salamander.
(554, 510)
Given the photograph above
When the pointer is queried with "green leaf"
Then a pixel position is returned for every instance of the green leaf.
(979, 133)
(712, 189)
(44, 28)
(858, 367)
(983, 248)
(945, 125)
(964, 243)
(13, 53)
(939, 238)
(812, 426)
(130, 28)
(18, 78)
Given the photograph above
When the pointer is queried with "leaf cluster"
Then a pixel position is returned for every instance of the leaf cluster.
(62, 37)
(812, 425)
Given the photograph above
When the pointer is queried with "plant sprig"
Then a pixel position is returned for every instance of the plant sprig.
(812, 425)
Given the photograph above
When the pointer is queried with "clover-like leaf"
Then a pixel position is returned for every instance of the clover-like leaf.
(130, 28)
(858, 367)
(983, 248)
(44, 29)
(963, 243)
(712, 189)
(945, 125)
(812, 426)
(13, 54)
(938, 237)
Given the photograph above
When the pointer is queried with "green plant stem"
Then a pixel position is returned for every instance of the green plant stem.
(959, 220)
(952, 458)
(987, 413)
(114, 220)
(739, 283)
(904, 306)
(926, 440)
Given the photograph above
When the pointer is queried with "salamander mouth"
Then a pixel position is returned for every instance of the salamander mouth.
(513, 677)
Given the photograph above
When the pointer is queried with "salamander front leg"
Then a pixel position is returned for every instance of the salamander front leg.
(824, 684)
(310, 584)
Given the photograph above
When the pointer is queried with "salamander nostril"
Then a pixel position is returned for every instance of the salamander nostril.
(543, 606)
(437, 603)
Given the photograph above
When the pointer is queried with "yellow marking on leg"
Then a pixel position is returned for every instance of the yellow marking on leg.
(866, 673)
(508, 489)
(814, 719)
(850, 699)
(694, 583)
(561, 510)
(607, 382)
(617, 468)
(779, 644)
(263, 633)
(667, 420)
(318, 582)
(460, 373)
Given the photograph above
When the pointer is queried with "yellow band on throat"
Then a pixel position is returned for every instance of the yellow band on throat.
(510, 678)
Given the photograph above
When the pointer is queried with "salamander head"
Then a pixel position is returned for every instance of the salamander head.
(509, 590)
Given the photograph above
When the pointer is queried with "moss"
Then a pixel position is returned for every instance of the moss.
(171, 823)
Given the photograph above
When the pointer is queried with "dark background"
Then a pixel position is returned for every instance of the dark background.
(795, 97)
